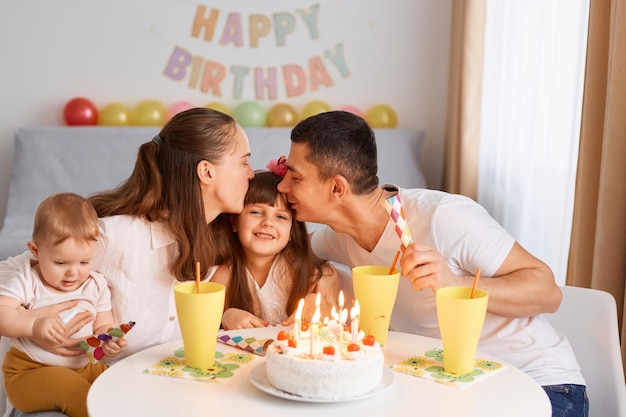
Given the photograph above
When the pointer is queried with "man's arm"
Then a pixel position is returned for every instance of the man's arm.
(523, 286)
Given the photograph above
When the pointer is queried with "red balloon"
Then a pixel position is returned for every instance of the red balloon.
(80, 111)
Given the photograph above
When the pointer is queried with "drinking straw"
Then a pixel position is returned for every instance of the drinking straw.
(475, 283)
(393, 264)
(197, 277)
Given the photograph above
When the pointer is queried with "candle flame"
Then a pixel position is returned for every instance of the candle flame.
(299, 310)
(340, 300)
(316, 317)
(344, 316)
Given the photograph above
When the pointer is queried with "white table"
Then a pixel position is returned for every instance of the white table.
(124, 390)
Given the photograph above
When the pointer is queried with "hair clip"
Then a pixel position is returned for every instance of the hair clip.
(157, 139)
(278, 166)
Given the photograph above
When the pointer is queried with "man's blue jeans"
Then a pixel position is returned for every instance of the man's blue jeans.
(568, 400)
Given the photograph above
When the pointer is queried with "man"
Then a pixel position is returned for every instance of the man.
(332, 179)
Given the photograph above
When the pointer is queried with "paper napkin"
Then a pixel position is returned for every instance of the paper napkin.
(430, 366)
(249, 344)
(226, 366)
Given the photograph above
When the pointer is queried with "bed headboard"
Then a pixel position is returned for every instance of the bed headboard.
(89, 159)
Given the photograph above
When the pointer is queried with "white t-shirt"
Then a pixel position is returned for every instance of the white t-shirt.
(468, 238)
(272, 297)
(25, 286)
(134, 256)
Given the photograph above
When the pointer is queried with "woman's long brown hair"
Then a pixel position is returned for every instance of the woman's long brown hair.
(164, 186)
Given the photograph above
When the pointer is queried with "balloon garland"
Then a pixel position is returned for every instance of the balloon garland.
(80, 111)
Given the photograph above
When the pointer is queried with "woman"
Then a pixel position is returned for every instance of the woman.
(158, 223)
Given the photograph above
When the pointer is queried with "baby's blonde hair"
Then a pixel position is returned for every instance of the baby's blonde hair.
(63, 216)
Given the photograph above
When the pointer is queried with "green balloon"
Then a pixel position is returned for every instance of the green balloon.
(250, 114)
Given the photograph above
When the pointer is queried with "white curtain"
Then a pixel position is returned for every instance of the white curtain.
(533, 74)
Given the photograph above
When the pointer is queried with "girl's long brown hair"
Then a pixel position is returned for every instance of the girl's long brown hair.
(303, 269)
(164, 186)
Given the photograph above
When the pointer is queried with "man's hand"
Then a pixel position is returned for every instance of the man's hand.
(425, 267)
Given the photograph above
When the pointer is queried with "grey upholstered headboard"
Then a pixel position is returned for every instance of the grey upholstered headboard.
(89, 159)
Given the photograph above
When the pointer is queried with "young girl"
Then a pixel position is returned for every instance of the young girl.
(63, 245)
(274, 267)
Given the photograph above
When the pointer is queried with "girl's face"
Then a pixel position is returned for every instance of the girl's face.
(63, 267)
(263, 229)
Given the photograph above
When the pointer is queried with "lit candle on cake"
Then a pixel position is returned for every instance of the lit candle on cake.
(297, 326)
(343, 317)
(354, 317)
(340, 300)
(315, 320)
(318, 314)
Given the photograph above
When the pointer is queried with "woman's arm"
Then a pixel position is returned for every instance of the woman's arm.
(20, 322)
(39, 324)
(13, 320)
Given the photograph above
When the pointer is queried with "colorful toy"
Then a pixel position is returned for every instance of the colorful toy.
(93, 344)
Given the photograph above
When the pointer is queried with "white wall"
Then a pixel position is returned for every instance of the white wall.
(395, 52)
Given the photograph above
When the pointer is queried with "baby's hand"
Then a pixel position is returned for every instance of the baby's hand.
(51, 329)
(235, 318)
(114, 348)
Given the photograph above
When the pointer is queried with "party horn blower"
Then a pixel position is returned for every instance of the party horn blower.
(393, 205)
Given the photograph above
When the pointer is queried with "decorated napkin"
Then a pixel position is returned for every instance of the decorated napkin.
(394, 208)
(250, 344)
(430, 366)
(93, 344)
(226, 366)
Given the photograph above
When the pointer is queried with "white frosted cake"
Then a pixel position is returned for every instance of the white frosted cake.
(330, 368)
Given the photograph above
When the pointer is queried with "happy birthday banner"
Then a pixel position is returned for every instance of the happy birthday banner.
(209, 75)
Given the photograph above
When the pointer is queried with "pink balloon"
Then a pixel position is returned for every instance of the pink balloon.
(177, 107)
(353, 110)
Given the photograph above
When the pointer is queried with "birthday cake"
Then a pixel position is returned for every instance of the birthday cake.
(329, 367)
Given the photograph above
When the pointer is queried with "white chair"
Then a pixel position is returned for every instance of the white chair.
(4, 346)
(588, 318)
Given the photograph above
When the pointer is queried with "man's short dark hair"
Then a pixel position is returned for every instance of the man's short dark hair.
(340, 143)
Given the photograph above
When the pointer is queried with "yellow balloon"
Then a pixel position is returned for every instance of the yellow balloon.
(114, 114)
(381, 116)
(315, 107)
(282, 115)
(220, 107)
(149, 113)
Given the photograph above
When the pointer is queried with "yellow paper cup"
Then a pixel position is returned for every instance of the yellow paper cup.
(376, 290)
(199, 317)
(461, 321)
